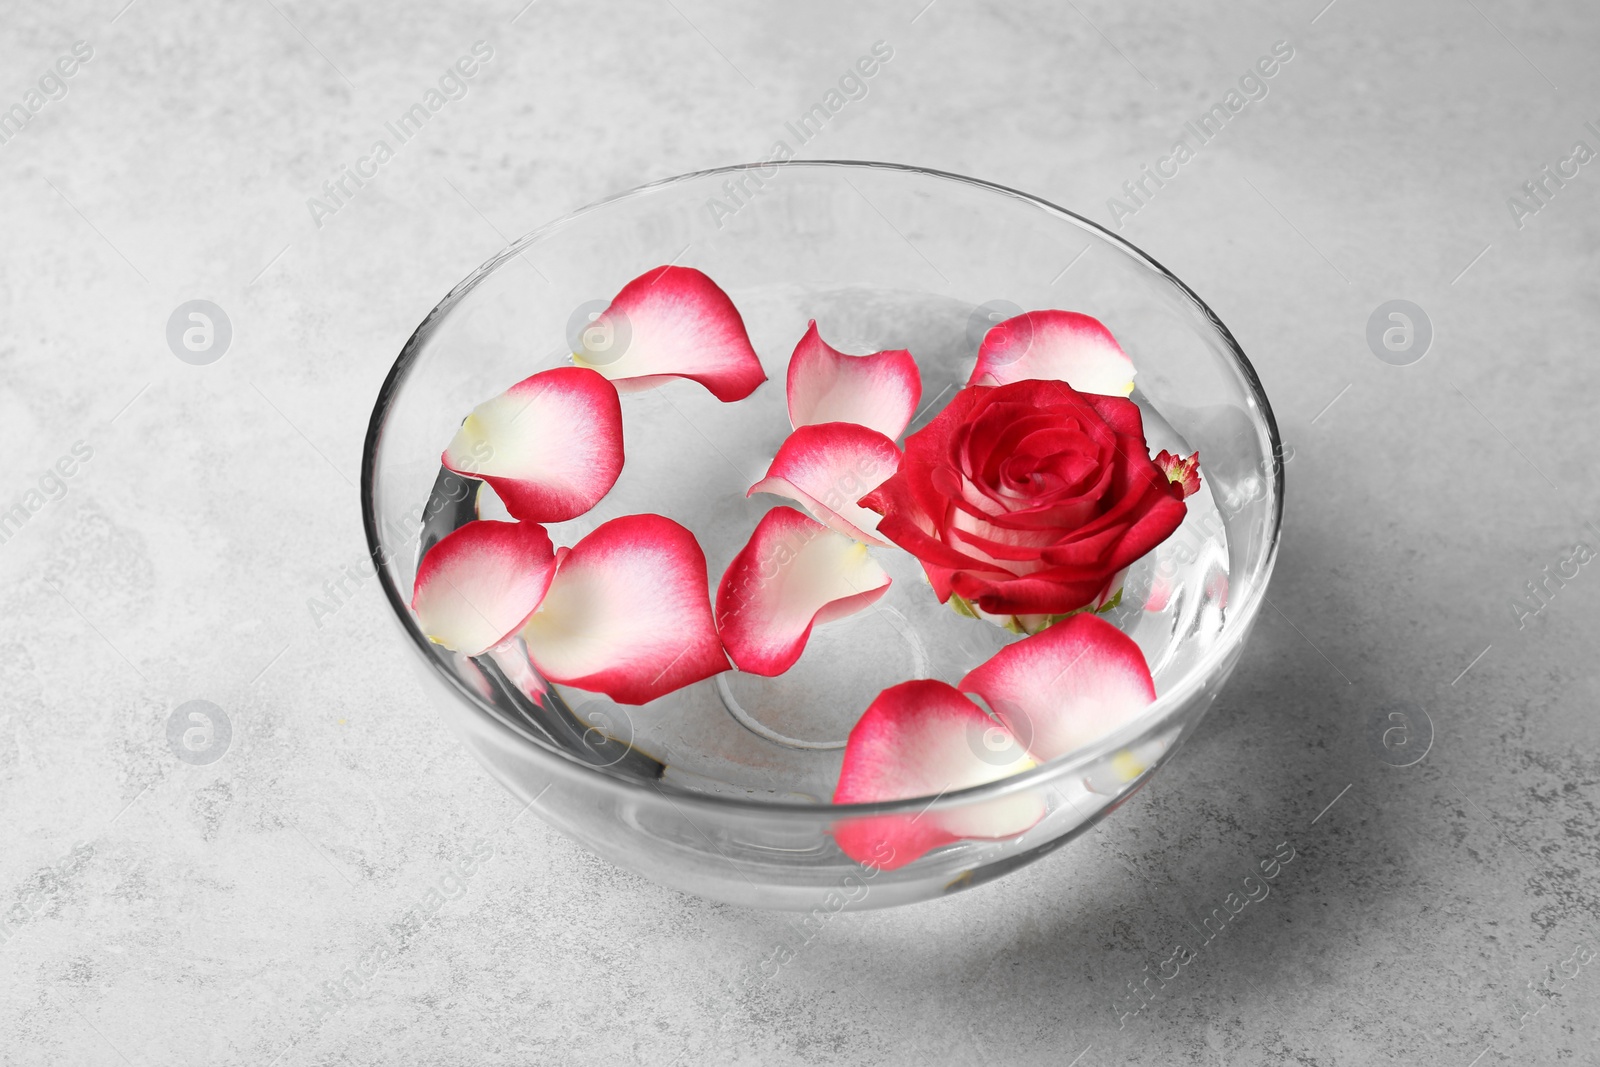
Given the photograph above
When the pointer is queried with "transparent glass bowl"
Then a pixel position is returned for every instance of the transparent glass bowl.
(865, 243)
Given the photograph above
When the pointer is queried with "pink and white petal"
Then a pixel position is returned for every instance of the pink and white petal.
(1217, 587)
(473, 675)
(551, 445)
(1066, 686)
(828, 468)
(792, 574)
(925, 739)
(879, 391)
(1060, 346)
(644, 383)
(1163, 583)
(481, 582)
(629, 613)
(511, 656)
(674, 322)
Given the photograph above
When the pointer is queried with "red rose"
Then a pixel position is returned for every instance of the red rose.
(1028, 498)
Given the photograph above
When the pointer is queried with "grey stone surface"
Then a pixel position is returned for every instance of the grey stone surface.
(175, 911)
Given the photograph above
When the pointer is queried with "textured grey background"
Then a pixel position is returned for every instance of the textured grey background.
(206, 904)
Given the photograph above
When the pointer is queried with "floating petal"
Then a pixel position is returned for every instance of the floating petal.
(629, 613)
(481, 582)
(879, 391)
(674, 322)
(827, 468)
(1066, 686)
(551, 445)
(925, 739)
(1059, 346)
(793, 573)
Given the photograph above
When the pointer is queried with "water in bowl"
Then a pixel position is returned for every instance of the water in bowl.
(692, 458)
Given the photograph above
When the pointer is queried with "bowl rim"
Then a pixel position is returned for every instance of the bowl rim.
(1236, 627)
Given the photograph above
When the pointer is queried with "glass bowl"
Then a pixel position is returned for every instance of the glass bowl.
(725, 792)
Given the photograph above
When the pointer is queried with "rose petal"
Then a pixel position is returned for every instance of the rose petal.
(512, 658)
(1061, 689)
(924, 739)
(1162, 585)
(1054, 345)
(1158, 522)
(674, 322)
(793, 573)
(551, 445)
(479, 583)
(469, 672)
(1041, 593)
(879, 391)
(907, 499)
(629, 613)
(828, 468)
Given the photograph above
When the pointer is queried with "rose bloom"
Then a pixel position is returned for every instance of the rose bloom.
(1028, 498)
